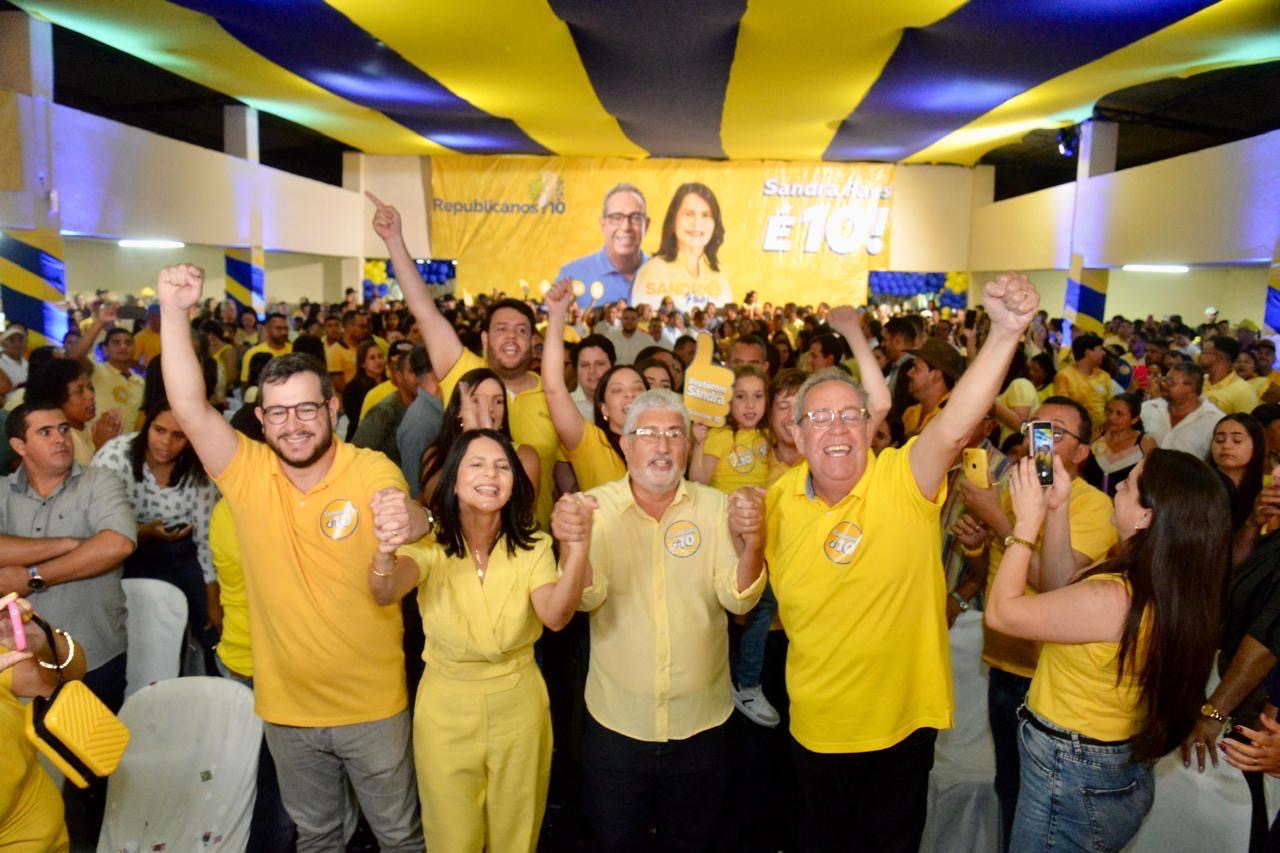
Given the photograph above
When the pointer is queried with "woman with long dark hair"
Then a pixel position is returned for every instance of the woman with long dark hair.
(172, 499)
(487, 584)
(1127, 648)
(687, 264)
(593, 449)
(479, 401)
(371, 370)
(1238, 454)
(1122, 445)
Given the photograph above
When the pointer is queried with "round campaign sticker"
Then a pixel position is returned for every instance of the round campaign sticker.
(683, 538)
(742, 459)
(339, 519)
(841, 542)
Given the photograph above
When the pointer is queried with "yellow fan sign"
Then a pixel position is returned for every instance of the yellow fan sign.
(597, 290)
(707, 387)
(579, 288)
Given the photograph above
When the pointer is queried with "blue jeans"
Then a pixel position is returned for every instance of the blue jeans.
(1077, 796)
(745, 666)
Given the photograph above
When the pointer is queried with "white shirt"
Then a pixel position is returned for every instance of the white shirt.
(585, 406)
(17, 370)
(1193, 434)
(628, 348)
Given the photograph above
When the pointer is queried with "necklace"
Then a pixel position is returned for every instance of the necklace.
(481, 567)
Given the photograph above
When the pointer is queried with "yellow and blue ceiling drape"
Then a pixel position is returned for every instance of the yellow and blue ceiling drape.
(910, 81)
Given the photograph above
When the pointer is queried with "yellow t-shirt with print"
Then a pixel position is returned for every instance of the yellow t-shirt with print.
(530, 424)
(862, 595)
(1092, 391)
(1092, 534)
(742, 458)
(115, 390)
(594, 460)
(324, 654)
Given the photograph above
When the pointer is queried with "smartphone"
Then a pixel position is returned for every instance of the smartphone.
(19, 633)
(975, 467)
(1040, 433)
(970, 318)
(1141, 376)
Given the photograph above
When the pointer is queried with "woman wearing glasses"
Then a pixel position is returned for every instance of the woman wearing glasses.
(593, 449)
(1127, 646)
(686, 267)
(487, 584)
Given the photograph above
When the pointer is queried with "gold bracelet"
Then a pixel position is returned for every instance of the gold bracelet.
(71, 652)
(381, 574)
(975, 552)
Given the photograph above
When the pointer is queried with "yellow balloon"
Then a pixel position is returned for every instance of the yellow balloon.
(579, 288)
(597, 290)
(544, 287)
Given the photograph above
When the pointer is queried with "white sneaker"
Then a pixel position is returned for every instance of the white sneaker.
(751, 702)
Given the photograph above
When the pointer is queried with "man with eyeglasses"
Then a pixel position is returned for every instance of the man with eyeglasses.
(623, 222)
(668, 559)
(328, 666)
(1073, 537)
(854, 553)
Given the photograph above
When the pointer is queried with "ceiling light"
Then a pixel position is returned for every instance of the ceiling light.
(1068, 140)
(151, 244)
(1155, 268)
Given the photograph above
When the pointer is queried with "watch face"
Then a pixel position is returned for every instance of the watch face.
(36, 583)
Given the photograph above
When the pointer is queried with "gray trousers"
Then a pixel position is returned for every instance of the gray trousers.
(317, 767)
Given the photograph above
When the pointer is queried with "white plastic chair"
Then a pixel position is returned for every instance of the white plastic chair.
(189, 777)
(157, 620)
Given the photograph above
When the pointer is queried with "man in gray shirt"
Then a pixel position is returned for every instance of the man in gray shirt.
(418, 430)
(410, 372)
(64, 531)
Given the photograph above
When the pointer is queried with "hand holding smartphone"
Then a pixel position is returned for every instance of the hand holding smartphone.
(1040, 434)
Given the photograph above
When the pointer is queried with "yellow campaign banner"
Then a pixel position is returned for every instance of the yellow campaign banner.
(791, 232)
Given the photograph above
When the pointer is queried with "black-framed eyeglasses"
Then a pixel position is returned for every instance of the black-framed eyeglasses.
(652, 435)
(616, 219)
(277, 415)
(823, 418)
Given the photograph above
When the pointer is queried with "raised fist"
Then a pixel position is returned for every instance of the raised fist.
(1011, 302)
(180, 286)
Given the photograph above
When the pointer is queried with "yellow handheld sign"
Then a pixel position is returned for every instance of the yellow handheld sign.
(707, 387)
(579, 288)
(597, 290)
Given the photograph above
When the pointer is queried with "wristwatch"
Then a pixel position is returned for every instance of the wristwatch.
(1011, 540)
(1207, 710)
(34, 582)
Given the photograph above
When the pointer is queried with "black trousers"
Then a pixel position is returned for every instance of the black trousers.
(84, 808)
(872, 801)
(1006, 693)
(632, 786)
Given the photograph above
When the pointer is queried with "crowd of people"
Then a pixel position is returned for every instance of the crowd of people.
(371, 503)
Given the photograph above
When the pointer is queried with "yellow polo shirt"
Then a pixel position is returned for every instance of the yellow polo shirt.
(914, 420)
(324, 654)
(234, 647)
(1092, 391)
(1092, 534)
(862, 596)
(776, 468)
(115, 390)
(594, 460)
(742, 458)
(659, 666)
(1233, 395)
(376, 395)
(530, 424)
(252, 351)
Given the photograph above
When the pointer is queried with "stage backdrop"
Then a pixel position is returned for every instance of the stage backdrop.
(793, 232)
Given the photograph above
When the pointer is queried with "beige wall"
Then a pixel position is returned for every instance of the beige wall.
(95, 264)
(929, 226)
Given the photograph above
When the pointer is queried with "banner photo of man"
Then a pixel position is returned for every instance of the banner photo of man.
(645, 231)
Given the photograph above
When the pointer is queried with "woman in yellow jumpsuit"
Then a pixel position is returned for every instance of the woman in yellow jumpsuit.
(30, 805)
(487, 584)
